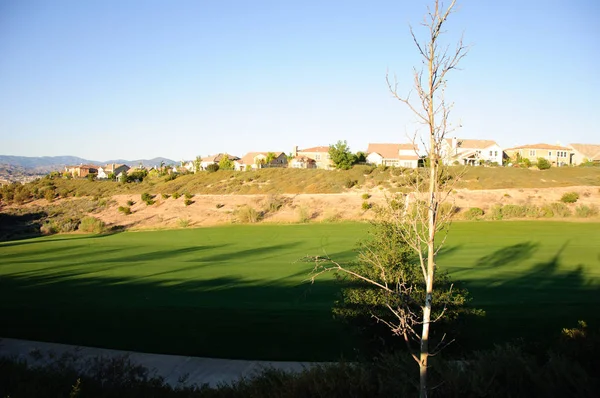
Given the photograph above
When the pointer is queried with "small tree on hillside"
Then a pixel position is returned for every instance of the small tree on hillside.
(197, 164)
(420, 218)
(341, 156)
(270, 157)
(225, 163)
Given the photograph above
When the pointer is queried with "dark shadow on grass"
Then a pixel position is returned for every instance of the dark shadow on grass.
(533, 304)
(57, 238)
(224, 317)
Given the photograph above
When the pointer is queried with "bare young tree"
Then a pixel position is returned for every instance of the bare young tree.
(418, 222)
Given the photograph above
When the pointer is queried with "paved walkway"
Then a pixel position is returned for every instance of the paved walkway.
(172, 368)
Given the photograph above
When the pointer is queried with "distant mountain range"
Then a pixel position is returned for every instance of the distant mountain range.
(12, 167)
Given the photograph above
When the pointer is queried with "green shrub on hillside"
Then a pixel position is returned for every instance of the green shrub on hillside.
(188, 195)
(211, 168)
(474, 213)
(125, 210)
(188, 202)
(543, 164)
(91, 225)
(569, 197)
(149, 199)
(49, 195)
(349, 183)
(366, 205)
(365, 196)
(176, 195)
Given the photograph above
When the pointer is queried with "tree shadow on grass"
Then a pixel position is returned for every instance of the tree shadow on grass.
(531, 302)
(224, 317)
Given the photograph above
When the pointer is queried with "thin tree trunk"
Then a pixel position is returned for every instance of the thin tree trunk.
(432, 209)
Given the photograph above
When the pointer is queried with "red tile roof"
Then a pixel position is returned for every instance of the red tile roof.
(391, 151)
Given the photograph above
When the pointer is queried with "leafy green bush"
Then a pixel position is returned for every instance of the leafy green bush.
(149, 199)
(188, 195)
(543, 164)
(474, 213)
(130, 202)
(48, 228)
(211, 168)
(188, 202)
(49, 195)
(165, 196)
(125, 210)
(91, 225)
(569, 197)
(349, 183)
(176, 195)
(365, 196)
(366, 205)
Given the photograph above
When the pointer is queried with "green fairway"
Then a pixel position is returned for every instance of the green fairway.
(239, 291)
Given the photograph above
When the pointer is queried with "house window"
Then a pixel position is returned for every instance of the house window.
(532, 152)
(407, 164)
(550, 154)
(491, 153)
(318, 156)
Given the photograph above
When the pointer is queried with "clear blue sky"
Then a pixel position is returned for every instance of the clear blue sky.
(130, 79)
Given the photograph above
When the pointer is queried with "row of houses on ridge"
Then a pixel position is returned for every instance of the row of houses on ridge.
(455, 151)
(473, 152)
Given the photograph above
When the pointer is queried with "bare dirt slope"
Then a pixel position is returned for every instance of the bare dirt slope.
(208, 210)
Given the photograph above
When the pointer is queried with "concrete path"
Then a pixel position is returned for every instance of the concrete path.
(173, 368)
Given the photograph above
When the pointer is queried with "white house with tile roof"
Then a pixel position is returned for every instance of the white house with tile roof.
(397, 155)
(470, 151)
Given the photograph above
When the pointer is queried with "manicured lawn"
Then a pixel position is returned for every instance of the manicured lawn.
(239, 291)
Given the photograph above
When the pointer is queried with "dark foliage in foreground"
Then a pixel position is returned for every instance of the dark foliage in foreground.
(569, 369)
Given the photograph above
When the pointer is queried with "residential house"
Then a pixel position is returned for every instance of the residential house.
(470, 152)
(189, 166)
(116, 169)
(215, 159)
(557, 155)
(302, 162)
(82, 170)
(397, 155)
(258, 160)
(320, 154)
(585, 152)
